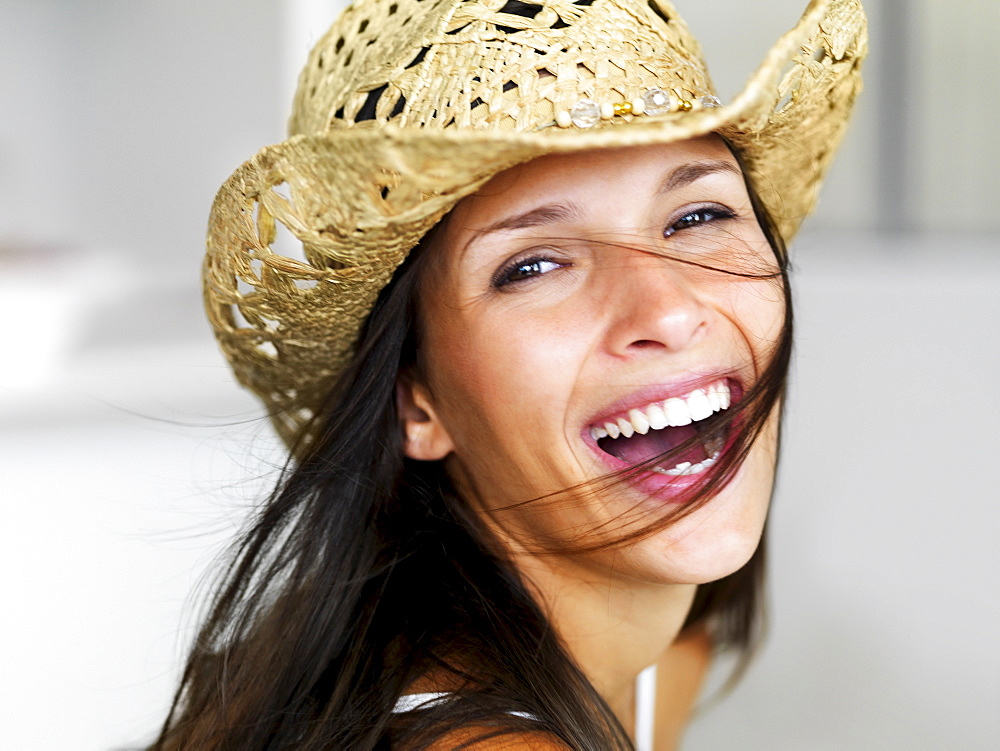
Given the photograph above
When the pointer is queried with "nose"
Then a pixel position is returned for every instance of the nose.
(653, 304)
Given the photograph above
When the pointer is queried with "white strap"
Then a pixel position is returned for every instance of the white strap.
(645, 708)
(409, 702)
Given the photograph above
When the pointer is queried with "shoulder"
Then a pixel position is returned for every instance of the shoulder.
(475, 739)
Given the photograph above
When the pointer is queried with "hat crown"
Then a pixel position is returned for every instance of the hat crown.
(491, 64)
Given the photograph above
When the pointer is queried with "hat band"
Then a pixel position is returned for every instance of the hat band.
(587, 113)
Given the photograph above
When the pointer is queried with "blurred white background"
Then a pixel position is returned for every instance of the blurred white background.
(128, 456)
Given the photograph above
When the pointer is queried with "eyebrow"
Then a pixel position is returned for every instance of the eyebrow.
(551, 213)
(689, 173)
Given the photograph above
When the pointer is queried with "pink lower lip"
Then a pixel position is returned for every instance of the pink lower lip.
(665, 488)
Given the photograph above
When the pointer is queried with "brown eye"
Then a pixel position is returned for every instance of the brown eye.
(697, 217)
(523, 269)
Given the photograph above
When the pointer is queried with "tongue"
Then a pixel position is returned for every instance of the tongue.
(641, 448)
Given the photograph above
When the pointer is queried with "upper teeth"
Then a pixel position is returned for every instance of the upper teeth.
(673, 412)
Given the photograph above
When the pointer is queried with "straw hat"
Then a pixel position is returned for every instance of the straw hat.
(407, 106)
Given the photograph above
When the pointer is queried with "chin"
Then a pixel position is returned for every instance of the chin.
(719, 538)
(693, 561)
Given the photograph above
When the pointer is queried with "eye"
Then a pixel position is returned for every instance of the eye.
(699, 216)
(522, 269)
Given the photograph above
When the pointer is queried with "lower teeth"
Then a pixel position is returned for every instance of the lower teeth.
(687, 468)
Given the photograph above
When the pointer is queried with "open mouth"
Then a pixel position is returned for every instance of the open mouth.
(660, 427)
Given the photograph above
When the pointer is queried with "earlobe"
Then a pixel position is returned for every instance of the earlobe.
(425, 437)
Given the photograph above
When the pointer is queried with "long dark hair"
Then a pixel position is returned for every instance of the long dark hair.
(366, 571)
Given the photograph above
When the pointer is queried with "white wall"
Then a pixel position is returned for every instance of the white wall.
(121, 119)
(956, 87)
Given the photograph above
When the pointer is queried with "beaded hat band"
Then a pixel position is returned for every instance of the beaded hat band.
(407, 106)
(587, 113)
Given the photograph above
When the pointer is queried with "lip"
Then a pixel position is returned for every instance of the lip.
(664, 488)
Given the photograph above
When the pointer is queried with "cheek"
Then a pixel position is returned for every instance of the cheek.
(504, 350)
(464, 363)
(757, 310)
(504, 379)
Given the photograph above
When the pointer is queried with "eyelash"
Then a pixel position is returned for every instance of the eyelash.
(704, 214)
(509, 273)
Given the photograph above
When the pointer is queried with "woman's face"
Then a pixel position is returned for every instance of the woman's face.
(558, 316)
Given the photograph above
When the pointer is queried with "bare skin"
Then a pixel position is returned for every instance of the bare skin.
(540, 314)
(680, 674)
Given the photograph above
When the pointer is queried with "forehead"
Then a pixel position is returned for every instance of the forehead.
(590, 176)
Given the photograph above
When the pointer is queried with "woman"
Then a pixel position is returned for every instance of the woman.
(529, 366)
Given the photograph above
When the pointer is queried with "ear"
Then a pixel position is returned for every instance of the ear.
(425, 436)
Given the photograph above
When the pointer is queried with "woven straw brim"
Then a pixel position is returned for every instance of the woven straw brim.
(360, 198)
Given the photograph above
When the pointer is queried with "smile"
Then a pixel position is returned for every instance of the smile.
(647, 432)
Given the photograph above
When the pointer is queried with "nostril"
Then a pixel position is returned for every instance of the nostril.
(645, 343)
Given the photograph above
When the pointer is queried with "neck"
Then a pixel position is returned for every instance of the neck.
(613, 626)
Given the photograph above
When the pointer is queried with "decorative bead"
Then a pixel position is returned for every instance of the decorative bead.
(585, 114)
(657, 101)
